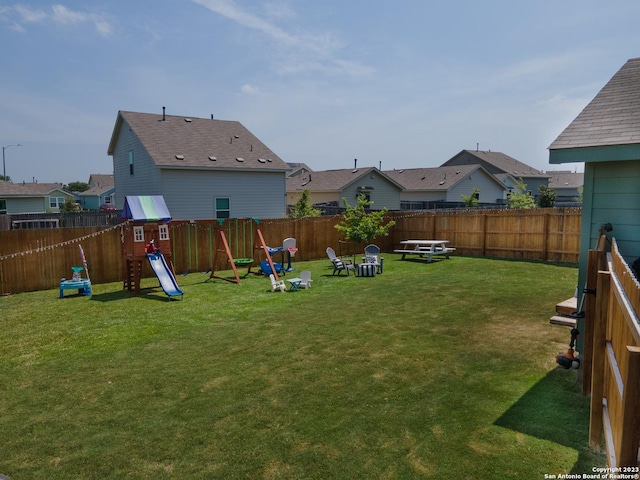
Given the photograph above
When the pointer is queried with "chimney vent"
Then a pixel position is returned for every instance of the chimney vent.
(355, 163)
(163, 114)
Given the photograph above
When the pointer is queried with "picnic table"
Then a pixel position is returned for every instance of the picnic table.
(425, 248)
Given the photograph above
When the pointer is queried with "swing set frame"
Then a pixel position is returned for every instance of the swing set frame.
(223, 248)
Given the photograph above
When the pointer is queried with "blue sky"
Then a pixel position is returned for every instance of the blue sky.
(393, 83)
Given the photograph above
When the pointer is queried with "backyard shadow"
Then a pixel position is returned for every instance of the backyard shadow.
(555, 409)
(146, 293)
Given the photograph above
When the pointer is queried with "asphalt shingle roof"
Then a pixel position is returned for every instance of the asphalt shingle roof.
(503, 162)
(565, 179)
(189, 142)
(611, 118)
(28, 189)
(438, 178)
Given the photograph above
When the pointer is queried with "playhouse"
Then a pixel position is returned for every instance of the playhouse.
(146, 222)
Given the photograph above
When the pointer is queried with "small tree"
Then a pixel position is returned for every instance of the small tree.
(77, 187)
(70, 206)
(580, 194)
(546, 197)
(520, 198)
(303, 207)
(359, 226)
(6, 179)
(473, 200)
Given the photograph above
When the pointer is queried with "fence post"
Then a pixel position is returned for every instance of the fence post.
(589, 310)
(484, 234)
(630, 435)
(545, 235)
(597, 369)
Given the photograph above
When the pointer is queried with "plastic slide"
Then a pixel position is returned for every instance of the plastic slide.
(164, 274)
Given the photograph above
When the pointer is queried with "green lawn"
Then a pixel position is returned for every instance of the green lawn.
(442, 370)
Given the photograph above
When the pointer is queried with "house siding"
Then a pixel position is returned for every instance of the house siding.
(615, 198)
(26, 205)
(191, 194)
(383, 193)
(490, 191)
(146, 179)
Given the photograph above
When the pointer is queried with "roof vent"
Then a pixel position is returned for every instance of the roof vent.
(269, 160)
(212, 158)
(262, 160)
(442, 182)
(188, 120)
(239, 159)
(236, 136)
(180, 157)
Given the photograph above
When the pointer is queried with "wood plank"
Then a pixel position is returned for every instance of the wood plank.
(567, 307)
(563, 321)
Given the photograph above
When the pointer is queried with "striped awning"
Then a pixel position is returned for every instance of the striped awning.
(149, 208)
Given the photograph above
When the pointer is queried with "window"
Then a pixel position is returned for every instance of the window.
(223, 209)
(56, 202)
(3, 206)
(130, 162)
(138, 234)
(163, 232)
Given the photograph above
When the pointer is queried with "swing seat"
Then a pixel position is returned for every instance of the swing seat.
(243, 261)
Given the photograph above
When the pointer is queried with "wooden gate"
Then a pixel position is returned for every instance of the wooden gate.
(615, 362)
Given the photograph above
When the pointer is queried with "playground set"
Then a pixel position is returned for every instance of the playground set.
(145, 238)
(245, 239)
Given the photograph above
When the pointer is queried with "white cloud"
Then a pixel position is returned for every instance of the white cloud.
(63, 15)
(59, 15)
(249, 89)
(30, 15)
(319, 52)
(278, 11)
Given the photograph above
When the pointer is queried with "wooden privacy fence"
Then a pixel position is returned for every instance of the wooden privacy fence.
(37, 259)
(615, 360)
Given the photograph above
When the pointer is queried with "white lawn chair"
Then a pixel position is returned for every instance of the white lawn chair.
(305, 276)
(338, 264)
(372, 255)
(275, 285)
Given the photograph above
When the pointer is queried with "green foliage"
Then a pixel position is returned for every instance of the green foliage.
(303, 207)
(70, 206)
(473, 200)
(580, 193)
(359, 226)
(6, 179)
(546, 197)
(520, 198)
(77, 187)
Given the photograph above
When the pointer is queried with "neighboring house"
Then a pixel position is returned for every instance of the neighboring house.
(498, 163)
(329, 187)
(101, 192)
(446, 184)
(606, 137)
(16, 198)
(566, 184)
(204, 168)
(298, 169)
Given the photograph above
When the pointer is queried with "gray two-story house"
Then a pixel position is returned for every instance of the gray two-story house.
(203, 167)
(503, 166)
